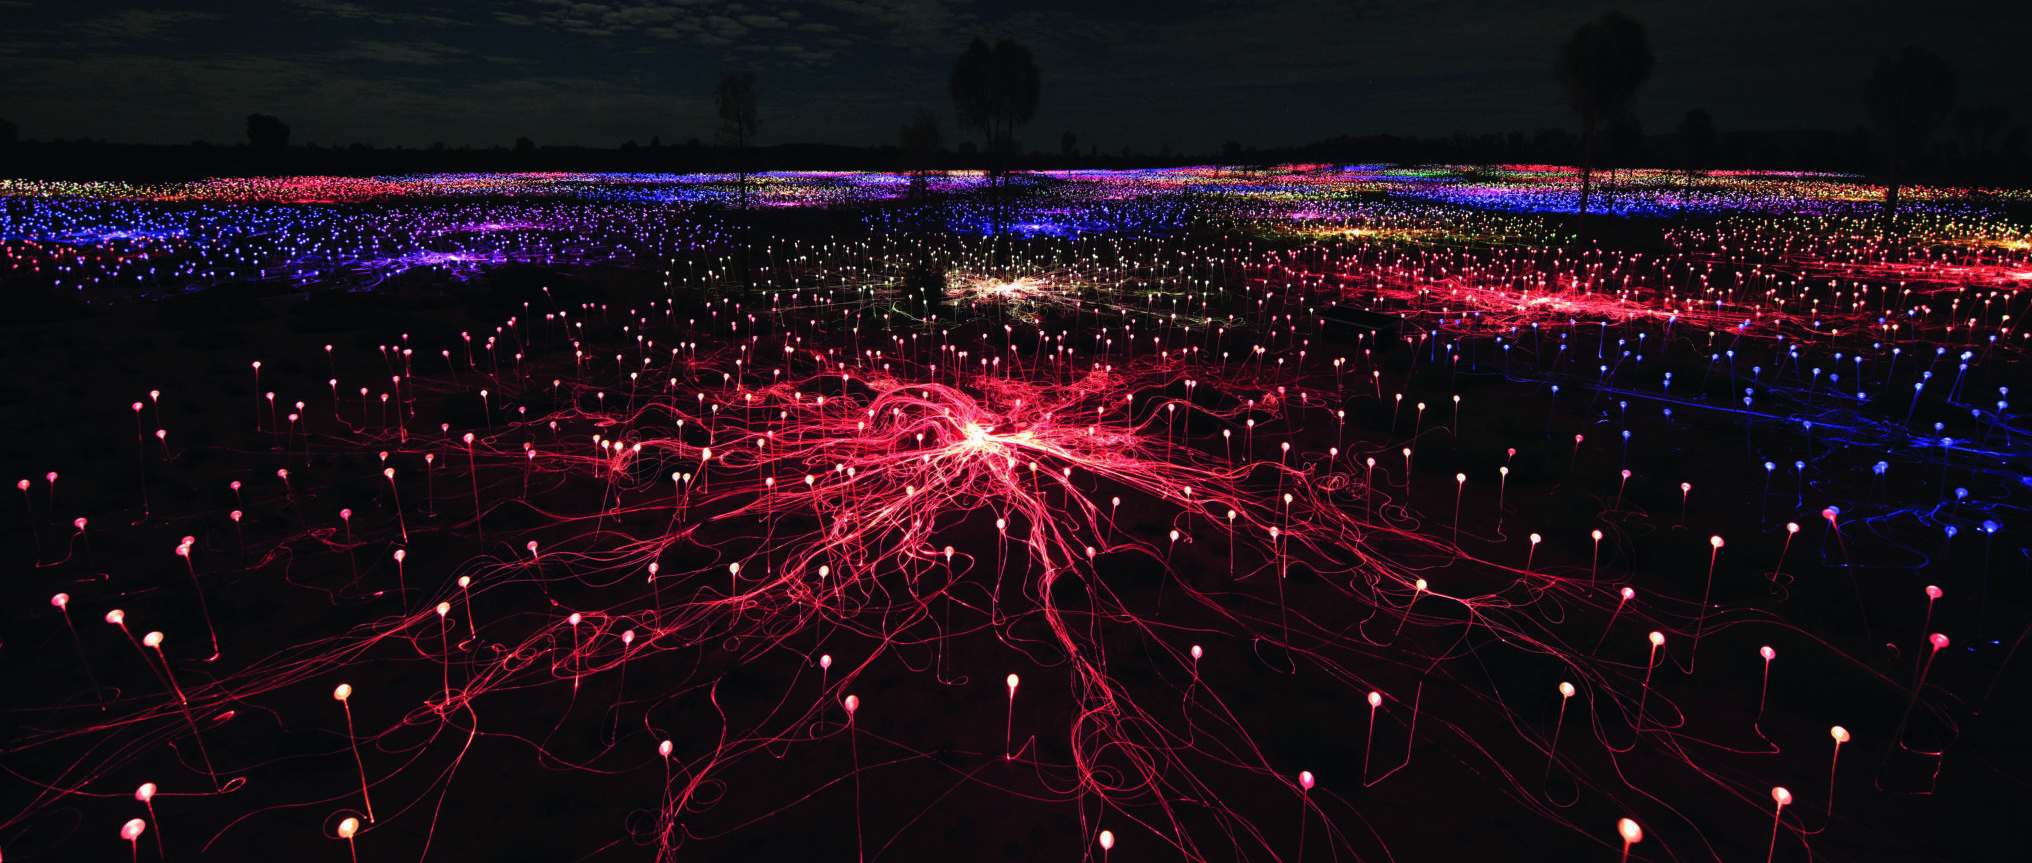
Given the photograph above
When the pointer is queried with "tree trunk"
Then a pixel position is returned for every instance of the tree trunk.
(1891, 195)
(1587, 161)
(998, 146)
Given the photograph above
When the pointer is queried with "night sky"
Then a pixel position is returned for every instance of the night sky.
(1188, 73)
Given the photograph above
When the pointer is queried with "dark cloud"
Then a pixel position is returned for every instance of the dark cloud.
(1187, 72)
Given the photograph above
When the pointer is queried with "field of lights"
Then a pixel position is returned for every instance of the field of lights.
(1315, 513)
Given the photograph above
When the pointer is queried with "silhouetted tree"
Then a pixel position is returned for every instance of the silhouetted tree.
(734, 99)
(8, 134)
(525, 146)
(1696, 136)
(1623, 144)
(269, 138)
(267, 134)
(1907, 96)
(1068, 145)
(994, 92)
(1600, 67)
(921, 138)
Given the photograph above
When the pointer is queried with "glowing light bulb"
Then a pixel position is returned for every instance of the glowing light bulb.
(1632, 834)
